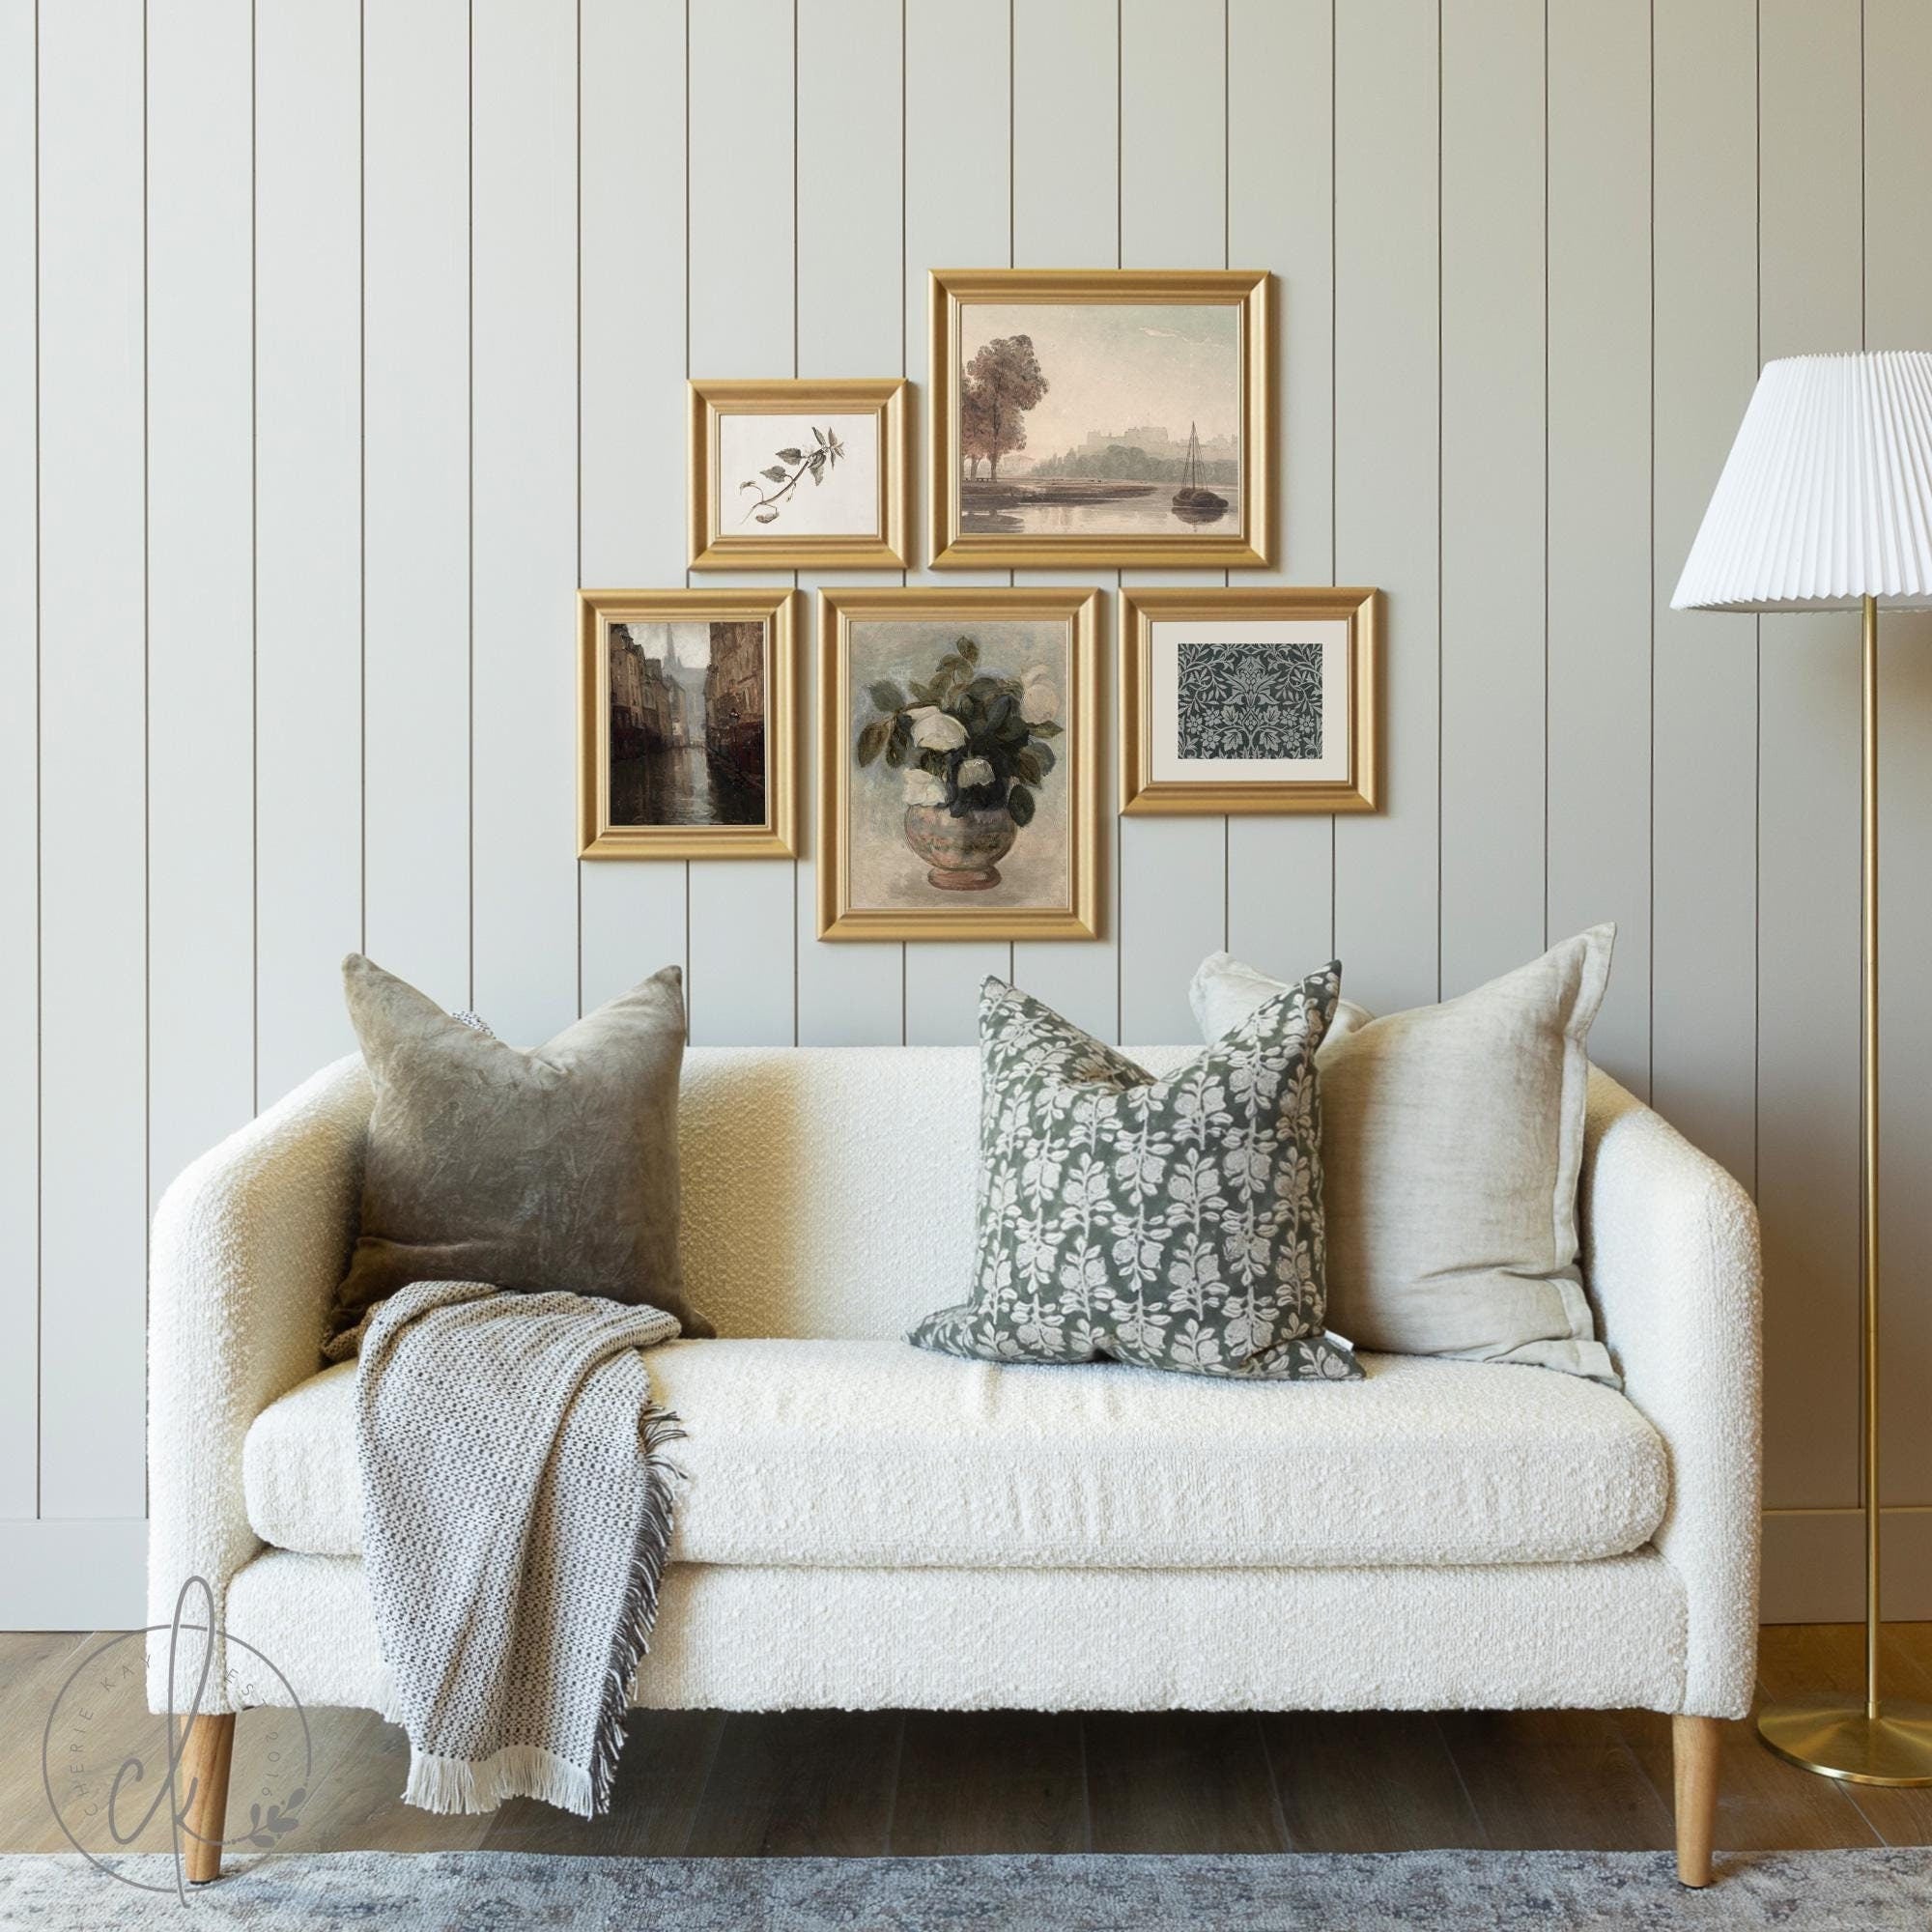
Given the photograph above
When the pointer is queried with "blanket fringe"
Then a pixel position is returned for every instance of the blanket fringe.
(517, 1770)
(384, 1699)
(639, 1613)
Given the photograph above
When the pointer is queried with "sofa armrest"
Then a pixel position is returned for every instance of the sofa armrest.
(249, 1245)
(1670, 1253)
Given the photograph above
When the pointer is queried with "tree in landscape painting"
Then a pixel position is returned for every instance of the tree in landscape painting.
(976, 427)
(1006, 377)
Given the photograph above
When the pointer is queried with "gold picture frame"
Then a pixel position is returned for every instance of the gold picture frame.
(722, 779)
(1175, 533)
(718, 544)
(1060, 693)
(1340, 621)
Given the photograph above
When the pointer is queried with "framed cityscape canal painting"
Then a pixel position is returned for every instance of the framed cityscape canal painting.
(1101, 416)
(959, 772)
(689, 709)
(1260, 698)
(808, 475)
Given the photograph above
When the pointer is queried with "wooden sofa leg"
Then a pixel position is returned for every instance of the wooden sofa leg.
(1693, 1753)
(204, 1767)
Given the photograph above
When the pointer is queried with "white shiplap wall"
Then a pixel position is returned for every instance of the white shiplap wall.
(339, 343)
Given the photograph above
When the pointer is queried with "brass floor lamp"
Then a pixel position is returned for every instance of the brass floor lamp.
(1826, 504)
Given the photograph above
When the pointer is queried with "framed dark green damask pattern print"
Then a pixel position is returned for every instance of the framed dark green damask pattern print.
(1260, 698)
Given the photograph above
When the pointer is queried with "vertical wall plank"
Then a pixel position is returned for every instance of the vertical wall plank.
(1494, 373)
(1899, 314)
(958, 102)
(1809, 261)
(308, 541)
(93, 761)
(415, 524)
(742, 981)
(1387, 478)
(1174, 215)
(201, 749)
(631, 297)
(1600, 537)
(742, 266)
(19, 770)
(1281, 215)
(523, 422)
(1068, 78)
(1067, 62)
(851, 321)
(1704, 998)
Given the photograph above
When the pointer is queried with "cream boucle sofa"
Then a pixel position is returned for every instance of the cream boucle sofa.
(867, 1525)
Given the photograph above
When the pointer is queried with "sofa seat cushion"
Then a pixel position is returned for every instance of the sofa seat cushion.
(876, 1455)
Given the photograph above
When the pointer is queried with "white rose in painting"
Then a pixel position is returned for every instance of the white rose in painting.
(975, 772)
(923, 788)
(1040, 701)
(934, 729)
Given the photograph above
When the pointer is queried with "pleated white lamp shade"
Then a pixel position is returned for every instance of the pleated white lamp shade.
(1826, 494)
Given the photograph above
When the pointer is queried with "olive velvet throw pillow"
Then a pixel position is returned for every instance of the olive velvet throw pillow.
(552, 1168)
(1452, 1144)
(1172, 1223)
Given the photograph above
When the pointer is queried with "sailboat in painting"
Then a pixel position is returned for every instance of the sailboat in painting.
(1193, 501)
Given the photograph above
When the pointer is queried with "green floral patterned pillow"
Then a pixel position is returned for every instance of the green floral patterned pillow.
(1174, 1223)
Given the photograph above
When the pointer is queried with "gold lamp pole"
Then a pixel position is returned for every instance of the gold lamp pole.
(1863, 1740)
(1837, 444)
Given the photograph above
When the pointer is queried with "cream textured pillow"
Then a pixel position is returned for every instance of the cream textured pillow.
(1452, 1140)
(1225, 993)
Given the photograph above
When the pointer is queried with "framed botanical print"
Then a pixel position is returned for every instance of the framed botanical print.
(959, 779)
(1260, 698)
(799, 475)
(1101, 416)
(688, 705)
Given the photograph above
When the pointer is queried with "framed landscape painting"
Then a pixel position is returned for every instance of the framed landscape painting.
(799, 475)
(688, 704)
(1260, 698)
(959, 780)
(1101, 416)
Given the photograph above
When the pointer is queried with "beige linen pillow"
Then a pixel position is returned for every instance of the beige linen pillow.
(1452, 1140)
(552, 1169)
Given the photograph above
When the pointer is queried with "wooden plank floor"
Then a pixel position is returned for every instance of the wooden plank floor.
(858, 1785)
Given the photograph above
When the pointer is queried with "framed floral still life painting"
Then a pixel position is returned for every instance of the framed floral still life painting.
(959, 793)
(688, 705)
(799, 475)
(1101, 416)
(1252, 700)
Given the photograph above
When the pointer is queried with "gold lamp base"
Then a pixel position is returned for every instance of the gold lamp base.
(1834, 1737)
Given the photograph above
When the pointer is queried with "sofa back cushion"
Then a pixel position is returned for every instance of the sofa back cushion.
(828, 1191)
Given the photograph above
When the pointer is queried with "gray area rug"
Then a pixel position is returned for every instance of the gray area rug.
(495, 1892)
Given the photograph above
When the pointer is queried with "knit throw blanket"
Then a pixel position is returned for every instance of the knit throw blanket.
(516, 1514)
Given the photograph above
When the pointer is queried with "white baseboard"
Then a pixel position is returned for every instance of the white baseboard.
(77, 1576)
(1814, 1565)
(93, 1574)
